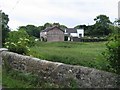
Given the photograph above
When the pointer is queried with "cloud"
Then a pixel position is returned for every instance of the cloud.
(68, 12)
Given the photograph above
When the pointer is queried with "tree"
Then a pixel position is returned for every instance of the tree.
(47, 25)
(63, 27)
(56, 24)
(86, 28)
(5, 27)
(101, 27)
(34, 31)
(40, 28)
(80, 27)
(13, 36)
(117, 21)
(31, 30)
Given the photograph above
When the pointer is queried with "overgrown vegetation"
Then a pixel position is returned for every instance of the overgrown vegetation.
(34, 31)
(93, 39)
(75, 53)
(5, 27)
(113, 51)
(102, 27)
(19, 42)
(16, 79)
(0, 74)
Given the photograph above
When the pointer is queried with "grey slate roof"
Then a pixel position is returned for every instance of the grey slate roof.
(50, 28)
(71, 30)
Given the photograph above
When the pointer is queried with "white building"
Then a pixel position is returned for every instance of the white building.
(72, 34)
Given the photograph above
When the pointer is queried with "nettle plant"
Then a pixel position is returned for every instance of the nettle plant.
(20, 47)
(18, 41)
(113, 51)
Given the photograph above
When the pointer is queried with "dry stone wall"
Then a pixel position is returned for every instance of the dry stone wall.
(60, 73)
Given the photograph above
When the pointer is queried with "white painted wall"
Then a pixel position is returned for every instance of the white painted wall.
(74, 34)
(80, 31)
(43, 34)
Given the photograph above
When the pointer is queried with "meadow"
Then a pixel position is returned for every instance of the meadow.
(16, 79)
(87, 54)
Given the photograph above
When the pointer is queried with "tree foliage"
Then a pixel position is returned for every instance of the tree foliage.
(63, 27)
(18, 41)
(113, 50)
(86, 28)
(5, 27)
(100, 28)
(13, 36)
(34, 31)
(46, 25)
(31, 30)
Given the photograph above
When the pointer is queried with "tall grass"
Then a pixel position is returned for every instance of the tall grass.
(75, 53)
(15, 79)
(0, 75)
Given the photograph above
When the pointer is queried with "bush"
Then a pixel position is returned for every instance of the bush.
(93, 39)
(113, 52)
(20, 47)
(18, 41)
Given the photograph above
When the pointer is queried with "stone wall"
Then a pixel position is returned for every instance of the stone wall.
(59, 73)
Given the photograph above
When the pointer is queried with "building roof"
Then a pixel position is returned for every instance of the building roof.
(71, 30)
(50, 28)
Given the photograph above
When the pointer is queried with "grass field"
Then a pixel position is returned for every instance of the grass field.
(0, 76)
(75, 53)
(15, 79)
(11, 82)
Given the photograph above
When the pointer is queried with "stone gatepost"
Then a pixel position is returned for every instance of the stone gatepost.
(1, 49)
(0, 29)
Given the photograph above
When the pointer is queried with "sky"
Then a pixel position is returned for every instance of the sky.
(66, 12)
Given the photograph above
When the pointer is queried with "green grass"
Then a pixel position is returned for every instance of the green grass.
(9, 82)
(0, 75)
(75, 53)
(15, 79)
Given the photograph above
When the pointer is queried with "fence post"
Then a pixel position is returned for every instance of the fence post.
(1, 49)
(0, 28)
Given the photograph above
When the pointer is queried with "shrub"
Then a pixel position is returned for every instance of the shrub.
(19, 42)
(20, 47)
(93, 39)
(113, 52)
